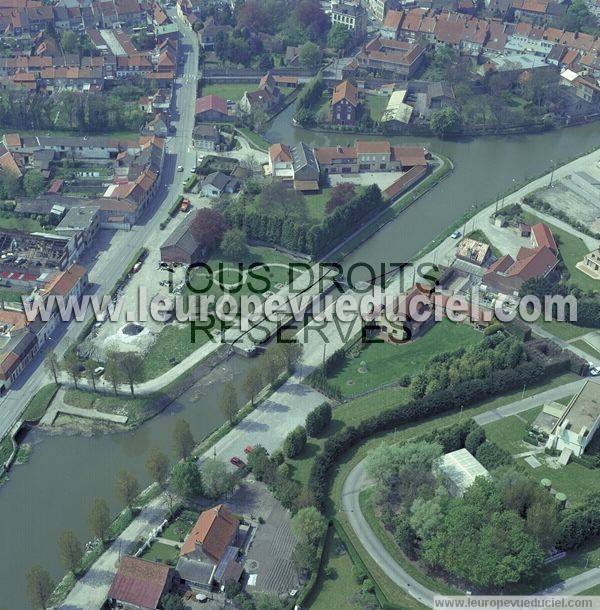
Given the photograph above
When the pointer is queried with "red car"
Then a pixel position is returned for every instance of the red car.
(248, 449)
(237, 462)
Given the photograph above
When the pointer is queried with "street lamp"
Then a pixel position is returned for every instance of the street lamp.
(552, 172)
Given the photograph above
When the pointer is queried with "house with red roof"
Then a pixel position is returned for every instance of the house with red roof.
(215, 530)
(211, 108)
(139, 584)
(344, 104)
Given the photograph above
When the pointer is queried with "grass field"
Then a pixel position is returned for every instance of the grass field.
(39, 402)
(385, 362)
(508, 433)
(315, 204)
(586, 347)
(336, 590)
(255, 139)
(377, 105)
(564, 330)
(10, 295)
(162, 553)
(179, 529)
(28, 225)
(229, 91)
(572, 250)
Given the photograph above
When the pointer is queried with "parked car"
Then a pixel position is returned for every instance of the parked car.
(98, 371)
(594, 370)
(248, 449)
(237, 462)
(180, 168)
(456, 235)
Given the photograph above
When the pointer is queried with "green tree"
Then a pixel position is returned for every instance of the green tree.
(157, 465)
(295, 442)
(39, 587)
(69, 549)
(445, 122)
(186, 480)
(288, 355)
(310, 55)
(127, 488)
(69, 42)
(260, 464)
(426, 516)
(229, 403)
(217, 480)
(339, 37)
(183, 440)
(271, 368)
(233, 245)
(264, 601)
(318, 419)
(33, 183)
(252, 384)
(309, 526)
(99, 519)
(9, 186)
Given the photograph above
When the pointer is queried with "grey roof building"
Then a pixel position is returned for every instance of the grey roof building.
(181, 245)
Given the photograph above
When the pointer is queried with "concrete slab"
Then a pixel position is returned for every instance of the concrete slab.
(533, 462)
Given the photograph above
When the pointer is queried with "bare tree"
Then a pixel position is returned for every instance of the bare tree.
(132, 366)
(51, 363)
(229, 403)
(90, 372)
(253, 383)
(72, 366)
(112, 370)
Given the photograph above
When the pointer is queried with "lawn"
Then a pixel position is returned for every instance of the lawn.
(509, 432)
(28, 225)
(377, 105)
(256, 140)
(586, 347)
(36, 407)
(479, 235)
(334, 591)
(564, 330)
(572, 250)
(315, 204)
(6, 449)
(10, 295)
(162, 553)
(229, 91)
(381, 363)
(180, 528)
(136, 408)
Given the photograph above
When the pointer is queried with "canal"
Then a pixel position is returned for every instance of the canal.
(54, 490)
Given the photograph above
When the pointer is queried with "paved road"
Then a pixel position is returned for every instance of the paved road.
(106, 266)
(358, 480)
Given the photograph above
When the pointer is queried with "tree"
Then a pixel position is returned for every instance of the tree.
(309, 526)
(112, 370)
(579, 18)
(264, 601)
(157, 465)
(271, 368)
(305, 117)
(186, 480)
(51, 363)
(72, 366)
(69, 549)
(318, 419)
(233, 245)
(170, 601)
(339, 37)
(39, 587)
(491, 456)
(294, 442)
(132, 366)
(260, 464)
(99, 518)
(276, 198)
(216, 478)
(69, 42)
(310, 55)
(229, 403)
(426, 516)
(208, 227)
(9, 186)
(252, 384)
(288, 355)
(127, 488)
(445, 122)
(311, 16)
(340, 195)
(183, 440)
(475, 438)
(33, 183)
(90, 372)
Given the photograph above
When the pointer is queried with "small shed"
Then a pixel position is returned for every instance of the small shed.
(460, 469)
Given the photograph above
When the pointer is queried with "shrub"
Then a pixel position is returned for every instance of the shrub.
(475, 438)
(318, 419)
(294, 442)
(491, 456)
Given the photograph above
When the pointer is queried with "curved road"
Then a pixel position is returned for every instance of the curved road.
(358, 480)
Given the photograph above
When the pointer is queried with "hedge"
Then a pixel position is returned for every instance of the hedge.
(312, 581)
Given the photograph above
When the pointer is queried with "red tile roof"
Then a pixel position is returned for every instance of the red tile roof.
(213, 531)
(139, 582)
(543, 236)
(345, 91)
(211, 102)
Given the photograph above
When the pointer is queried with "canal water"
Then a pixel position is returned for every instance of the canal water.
(54, 490)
